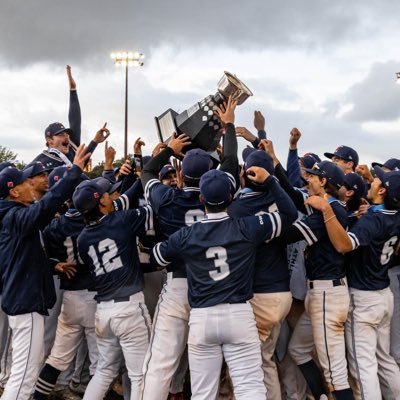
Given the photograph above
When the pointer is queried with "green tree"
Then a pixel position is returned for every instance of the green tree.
(7, 155)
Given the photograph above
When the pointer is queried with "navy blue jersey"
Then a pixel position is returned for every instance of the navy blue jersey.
(271, 273)
(374, 238)
(219, 254)
(26, 272)
(175, 209)
(109, 249)
(60, 238)
(322, 260)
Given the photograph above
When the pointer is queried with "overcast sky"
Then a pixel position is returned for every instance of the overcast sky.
(326, 67)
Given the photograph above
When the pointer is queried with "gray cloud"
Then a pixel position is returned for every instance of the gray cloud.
(81, 31)
(377, 97)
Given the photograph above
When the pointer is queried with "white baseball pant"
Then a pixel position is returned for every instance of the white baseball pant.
(75, 321)
(328, 306)
(5, 348)
(168, 339)
(225, 331)
(122, 329)
(27, 355)
(368, 344)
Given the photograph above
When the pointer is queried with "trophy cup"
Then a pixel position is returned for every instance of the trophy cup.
(199, 122)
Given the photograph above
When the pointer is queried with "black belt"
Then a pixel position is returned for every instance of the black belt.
(121, 299)
(335, 282)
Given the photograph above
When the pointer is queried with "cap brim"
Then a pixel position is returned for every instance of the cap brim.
(329, 155)
(115, 187)
(379, 172)
(375, 164)
(27, 173)
(68, 130)
(313, 171)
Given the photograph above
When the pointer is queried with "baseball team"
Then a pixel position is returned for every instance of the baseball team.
(286, 279)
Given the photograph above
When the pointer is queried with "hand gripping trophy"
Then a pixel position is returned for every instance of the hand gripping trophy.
(199, 121)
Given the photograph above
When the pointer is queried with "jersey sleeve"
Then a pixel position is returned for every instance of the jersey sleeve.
(312, 228)
(261, 228)
(130, 198)
(165, 252)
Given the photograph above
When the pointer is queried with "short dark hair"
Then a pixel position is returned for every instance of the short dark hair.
(191, 182)
(93, 215)
(329, 188)
(217, 208)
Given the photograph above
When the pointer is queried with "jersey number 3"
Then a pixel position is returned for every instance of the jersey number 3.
(218, 254)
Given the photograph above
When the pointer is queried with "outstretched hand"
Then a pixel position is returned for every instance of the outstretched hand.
(226, 113)
(137, 147)
(71, 81)
(101, 135)
(178, 143)
(259, 121)
(243, 132)
(295, 135)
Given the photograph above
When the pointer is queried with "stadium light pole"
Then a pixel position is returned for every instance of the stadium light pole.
(127, 59)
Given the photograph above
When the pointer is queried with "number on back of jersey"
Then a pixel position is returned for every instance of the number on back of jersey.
(105, 258)
(388, 250)
(193, 216)
(218, 254)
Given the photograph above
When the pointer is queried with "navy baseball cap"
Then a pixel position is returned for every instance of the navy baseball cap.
(345, 153)
(330, 171)
(215, 187)
(195, 163)
(308, 160)
(247, 151)
(107, 185)
(10, 177)
(316, 156)
(59, 172)
(353, 181)
(55, 129)
(166, 169)
(87, 195)
(393, 164)
(391, 182)
(260, 158)
(37, 168)
(6, 164)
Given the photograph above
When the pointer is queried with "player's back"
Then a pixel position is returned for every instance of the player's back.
(109, 249)
(271, 273)
(376, 235)
(219, 254)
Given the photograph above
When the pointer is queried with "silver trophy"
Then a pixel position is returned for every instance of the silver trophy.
(199, 121)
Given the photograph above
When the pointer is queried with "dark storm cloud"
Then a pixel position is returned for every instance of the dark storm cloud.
(74, 31)
(377, 97)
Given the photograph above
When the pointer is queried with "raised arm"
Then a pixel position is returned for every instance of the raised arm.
(74, 112)
(292, 166)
